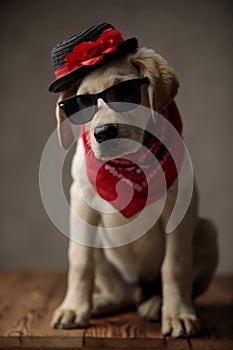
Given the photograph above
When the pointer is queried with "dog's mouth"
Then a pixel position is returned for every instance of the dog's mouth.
(115, 148)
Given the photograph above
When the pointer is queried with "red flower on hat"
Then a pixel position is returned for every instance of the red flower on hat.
(92, 52)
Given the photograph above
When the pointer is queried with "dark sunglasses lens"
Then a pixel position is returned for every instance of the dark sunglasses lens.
(81, 109)
(125, 96)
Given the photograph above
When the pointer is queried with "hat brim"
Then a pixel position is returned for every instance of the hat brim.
(58, 85)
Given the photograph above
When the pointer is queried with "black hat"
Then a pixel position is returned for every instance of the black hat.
(82, 53)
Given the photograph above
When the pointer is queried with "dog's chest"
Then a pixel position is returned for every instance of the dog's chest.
(142, 259)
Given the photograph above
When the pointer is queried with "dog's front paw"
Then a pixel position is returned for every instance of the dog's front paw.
(183, 322)
(65, 318)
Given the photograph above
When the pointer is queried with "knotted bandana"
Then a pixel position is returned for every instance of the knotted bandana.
(104, 176)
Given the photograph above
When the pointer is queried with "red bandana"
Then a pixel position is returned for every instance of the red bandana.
(110, 172)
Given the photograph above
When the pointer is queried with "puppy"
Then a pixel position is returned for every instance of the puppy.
(160, 274)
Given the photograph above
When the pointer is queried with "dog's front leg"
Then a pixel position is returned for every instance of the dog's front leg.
(178, 314)
(75, 309)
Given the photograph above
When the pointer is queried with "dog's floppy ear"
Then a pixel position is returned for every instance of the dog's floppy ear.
(163, 82)
(65, 134)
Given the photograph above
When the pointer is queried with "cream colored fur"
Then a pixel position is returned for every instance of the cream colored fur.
(185, 259)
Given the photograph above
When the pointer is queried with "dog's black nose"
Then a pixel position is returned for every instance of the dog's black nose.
(105, 132)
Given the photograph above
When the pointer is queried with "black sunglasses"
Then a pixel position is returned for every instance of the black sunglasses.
(120, 97)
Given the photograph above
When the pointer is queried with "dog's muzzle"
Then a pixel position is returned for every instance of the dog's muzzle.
(105, 132)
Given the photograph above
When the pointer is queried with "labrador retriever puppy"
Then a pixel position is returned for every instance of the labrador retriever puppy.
(160, 274)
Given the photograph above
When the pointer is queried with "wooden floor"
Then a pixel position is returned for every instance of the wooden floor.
(27, 301)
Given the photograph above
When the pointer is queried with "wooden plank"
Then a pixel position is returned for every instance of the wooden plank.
(215, 309)
(29, 311)
(128, 330)
(212, 344)
(8, 284)
(120, 331)
(27, 302)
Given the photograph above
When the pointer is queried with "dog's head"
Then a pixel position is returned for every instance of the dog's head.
(111, 124)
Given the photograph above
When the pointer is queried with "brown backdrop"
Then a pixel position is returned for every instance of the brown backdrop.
(196, 39)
